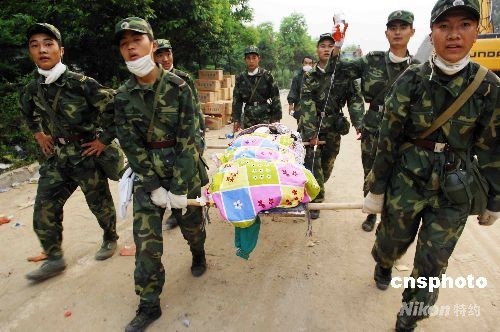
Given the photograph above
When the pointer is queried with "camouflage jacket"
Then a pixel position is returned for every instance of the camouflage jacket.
(411, 106)
(174, 119)
(84, 107)
(315, 87)
(267, 92)
(294, 93)
(200, 118)
(377, 73)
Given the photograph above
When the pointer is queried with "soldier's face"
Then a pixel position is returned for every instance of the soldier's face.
(165, 58)
(44, 50)
(252, 61)
(135, 45)
(454, 34)
(398, 34)
(324, 50)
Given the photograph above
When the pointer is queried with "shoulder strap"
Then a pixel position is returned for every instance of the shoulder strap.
(455, 106)
(254, 89)
(52, 109)
(155, 102)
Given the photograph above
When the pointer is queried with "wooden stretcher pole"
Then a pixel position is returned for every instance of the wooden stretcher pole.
(312, 206)
(221, 147)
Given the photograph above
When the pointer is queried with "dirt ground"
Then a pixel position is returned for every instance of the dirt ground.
(286, 285)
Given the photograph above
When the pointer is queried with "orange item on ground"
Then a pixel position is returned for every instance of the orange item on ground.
(41, 257)
(127, 251)
(5, 220)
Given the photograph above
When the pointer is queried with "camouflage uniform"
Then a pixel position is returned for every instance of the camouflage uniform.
(377, 73)
(82, 107)
(264, 106)
(173, 168)
(295, 93)
(315, 88)
(409, 175)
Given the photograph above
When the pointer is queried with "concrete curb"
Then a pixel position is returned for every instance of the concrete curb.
(18, 175)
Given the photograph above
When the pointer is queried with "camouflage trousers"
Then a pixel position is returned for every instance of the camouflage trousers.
(368, 151)
(149, 274)
(55, 186)
(324, 158)
(408, 207)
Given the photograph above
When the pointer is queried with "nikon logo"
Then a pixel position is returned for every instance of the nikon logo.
(485, 54)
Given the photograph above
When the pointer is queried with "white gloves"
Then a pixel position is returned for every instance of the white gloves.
(160, 198)
(488, 218)
(177, 201)
(373, 203)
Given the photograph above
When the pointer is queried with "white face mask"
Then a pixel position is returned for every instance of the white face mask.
(307, 68)
(54, 73)
(450, 68)
(397, 59)
(142, 66)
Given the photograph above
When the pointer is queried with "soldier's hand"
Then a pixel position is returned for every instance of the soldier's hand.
(373, 203)
(313, 141)
(46, 143)
(488, 218)
(95, 147)
(236, 126)
(359, 134)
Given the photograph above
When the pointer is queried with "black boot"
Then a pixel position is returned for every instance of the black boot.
(144, 316)
(369, 222)
(382, 277)
(199, 265)
(405, 323)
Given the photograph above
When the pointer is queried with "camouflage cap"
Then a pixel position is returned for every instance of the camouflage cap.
(134, 24)
(252, 49)
(443, 6)
(400, 15)
(163, 44)
(325, 36)
(43, 28)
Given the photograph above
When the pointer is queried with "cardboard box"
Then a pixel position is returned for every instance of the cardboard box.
(207, 96)
(232, 77)
(226, 82)
(206, 74)
(216, 108)
(214, 122)
(224, 94)
(207, 85)
(231, 91)
(228, 107)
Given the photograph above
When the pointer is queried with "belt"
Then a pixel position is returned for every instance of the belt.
(429, 145)
(255, 103)
(376, 108)
(70, 139)
(161, 144)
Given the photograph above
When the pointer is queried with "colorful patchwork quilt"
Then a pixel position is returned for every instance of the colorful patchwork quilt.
(259, 171)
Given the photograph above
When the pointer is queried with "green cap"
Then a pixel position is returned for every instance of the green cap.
(43, 28)
(252, 49)
(163, 44)
(133, 24)
(400, 15)
(442, 6)
(325, 36)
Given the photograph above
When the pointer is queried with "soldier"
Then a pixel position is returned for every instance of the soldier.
(155, 119)
(294, 93)
(165, 57)
(407, 182)
(62, 109)
(321, 116)
(378, 70)
(259, 92)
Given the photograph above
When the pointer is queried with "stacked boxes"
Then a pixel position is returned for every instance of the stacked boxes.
(215, 91)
